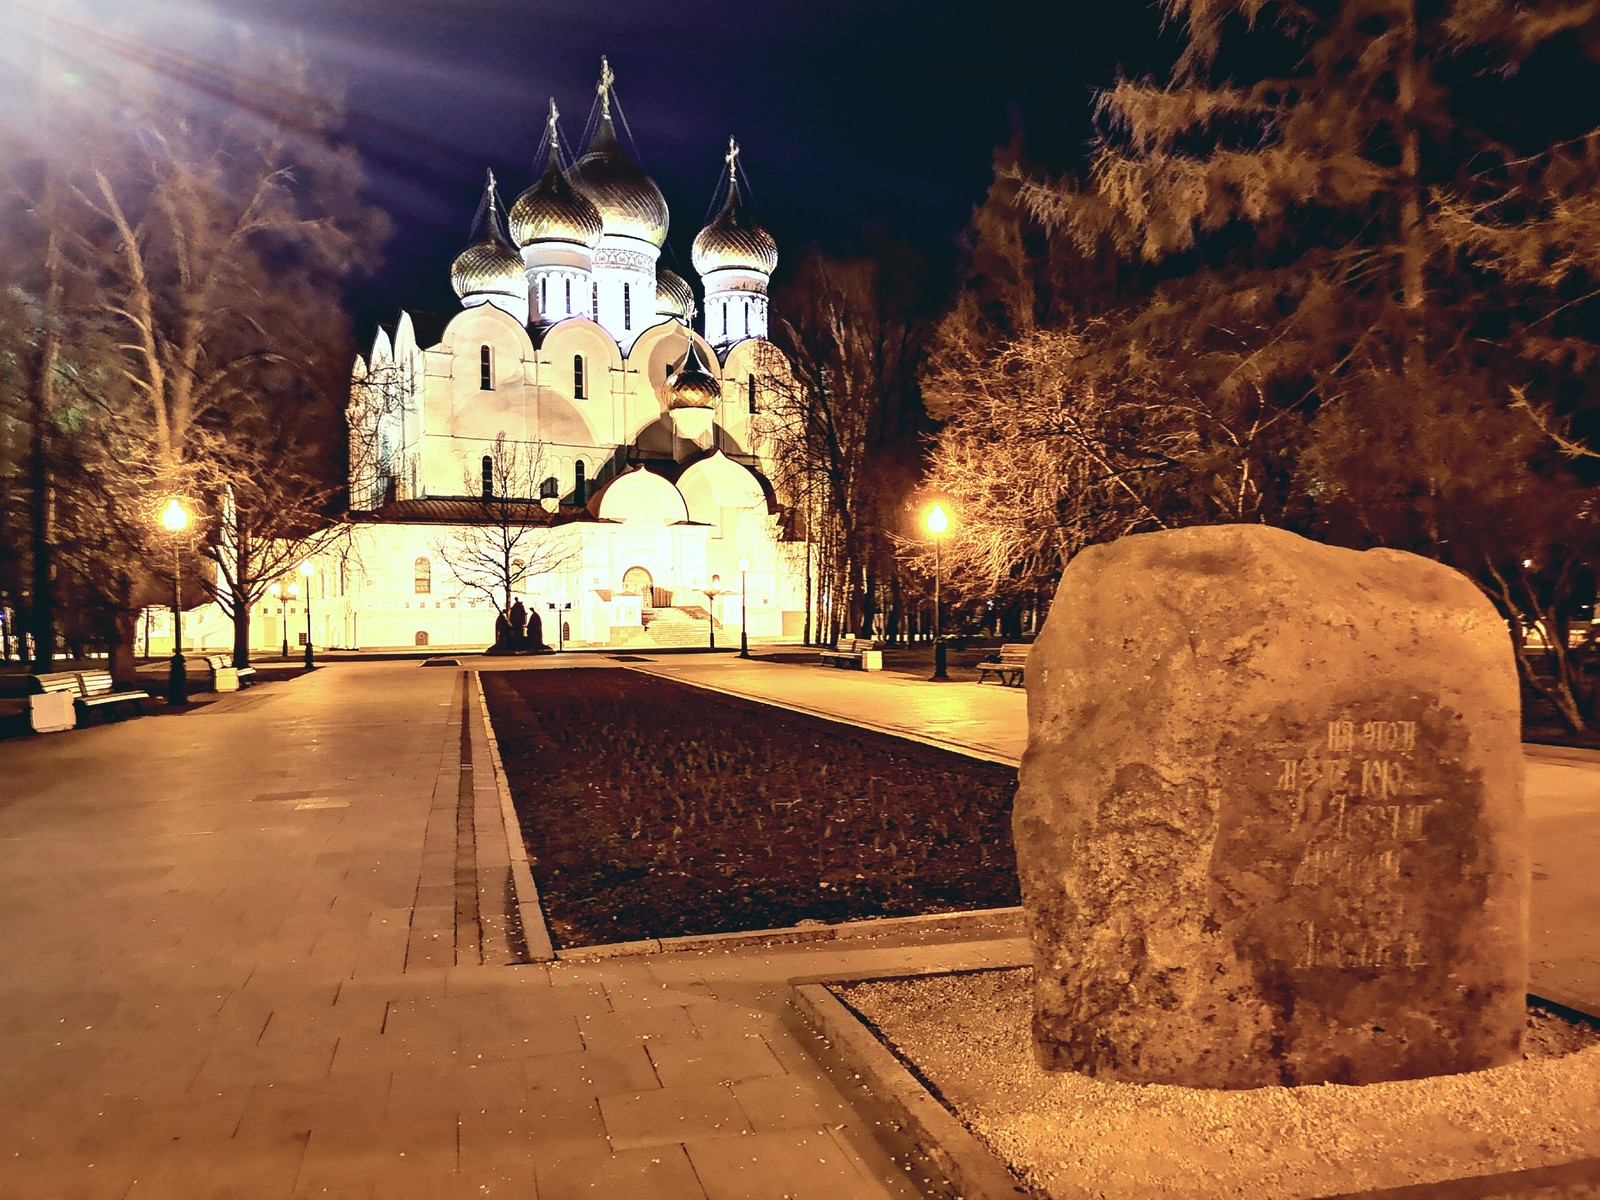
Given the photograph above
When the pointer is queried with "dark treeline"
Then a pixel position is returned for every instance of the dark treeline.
(1337, 272)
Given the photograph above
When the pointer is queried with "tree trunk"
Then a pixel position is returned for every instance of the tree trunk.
(120, 640)
(241, 633)
(1413, 253)
(243, 580)
(1011, 620)
(869, 605)
(41, 388)
(805, 637)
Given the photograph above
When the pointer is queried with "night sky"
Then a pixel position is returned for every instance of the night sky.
(851, 115)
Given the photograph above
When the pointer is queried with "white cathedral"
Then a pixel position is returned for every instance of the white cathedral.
(618, 449)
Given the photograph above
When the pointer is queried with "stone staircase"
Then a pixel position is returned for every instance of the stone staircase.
(683, 625)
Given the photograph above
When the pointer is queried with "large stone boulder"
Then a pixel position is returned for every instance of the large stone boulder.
(1270, 824)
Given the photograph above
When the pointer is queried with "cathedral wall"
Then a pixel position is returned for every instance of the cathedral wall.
(625, 270)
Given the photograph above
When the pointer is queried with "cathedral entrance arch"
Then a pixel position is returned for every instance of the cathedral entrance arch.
(636, 581)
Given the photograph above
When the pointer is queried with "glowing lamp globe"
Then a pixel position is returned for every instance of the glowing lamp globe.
(175, 517)
(306, 568)
(938, 522)
(744, 565)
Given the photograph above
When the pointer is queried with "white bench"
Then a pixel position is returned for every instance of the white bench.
(90, 691)
(1009, 667)
(862, 653)
(225, 677)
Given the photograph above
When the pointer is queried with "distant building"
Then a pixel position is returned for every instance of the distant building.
(571, 399)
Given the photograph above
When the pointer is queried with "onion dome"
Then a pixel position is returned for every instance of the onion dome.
(691, 385)
(630, 203)
(491, 265)
(733, 239)
(552, 210)
(673, 296)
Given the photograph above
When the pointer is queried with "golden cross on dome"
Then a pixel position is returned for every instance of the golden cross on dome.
(554, 113)
(732, 158)
(606, 80)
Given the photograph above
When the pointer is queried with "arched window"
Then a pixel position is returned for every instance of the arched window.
(752, 393)
(747, 318)
(423, 576)
(422, 637)
(579, 482)
(594, 302)
(569, 297)
(550, 489)
(627, 306)
(544, 295)
(577, 377)
(724, 318)
(488, 475)
(485, 369)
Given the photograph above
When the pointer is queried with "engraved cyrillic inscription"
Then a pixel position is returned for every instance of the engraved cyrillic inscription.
(1354, 798)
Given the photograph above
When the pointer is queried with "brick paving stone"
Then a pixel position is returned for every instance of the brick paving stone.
(622, 1067)
(715, 1056)
(544, 1128)
(777, 1102)
(65, 1177)
(605, 1028)
(659, 1173)
(778, 1166)
(672, 1114)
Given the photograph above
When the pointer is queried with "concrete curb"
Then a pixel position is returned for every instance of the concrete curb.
(535, 933)
(847, 1044)
(989, 922)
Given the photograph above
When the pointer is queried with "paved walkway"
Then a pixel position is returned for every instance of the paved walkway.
(261, 949)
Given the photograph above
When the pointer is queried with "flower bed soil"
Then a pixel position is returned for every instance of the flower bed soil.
(652, 809)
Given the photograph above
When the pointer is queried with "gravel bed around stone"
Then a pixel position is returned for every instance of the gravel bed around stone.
(1066, 1135)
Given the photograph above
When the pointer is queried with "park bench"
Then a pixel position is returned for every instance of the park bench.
(90, 691)
(855, 652)
(1009, 668)
(225, 677)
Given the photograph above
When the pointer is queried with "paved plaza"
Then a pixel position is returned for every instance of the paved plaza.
(266, 947)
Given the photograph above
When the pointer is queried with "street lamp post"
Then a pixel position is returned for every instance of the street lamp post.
(938, 522)
(712, 591)
(744, 611)
(276, 592)
(175, 517)
(294, 594)
(305, 570)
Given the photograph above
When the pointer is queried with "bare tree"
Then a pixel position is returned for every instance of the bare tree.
(511, 538)
(843, 423)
